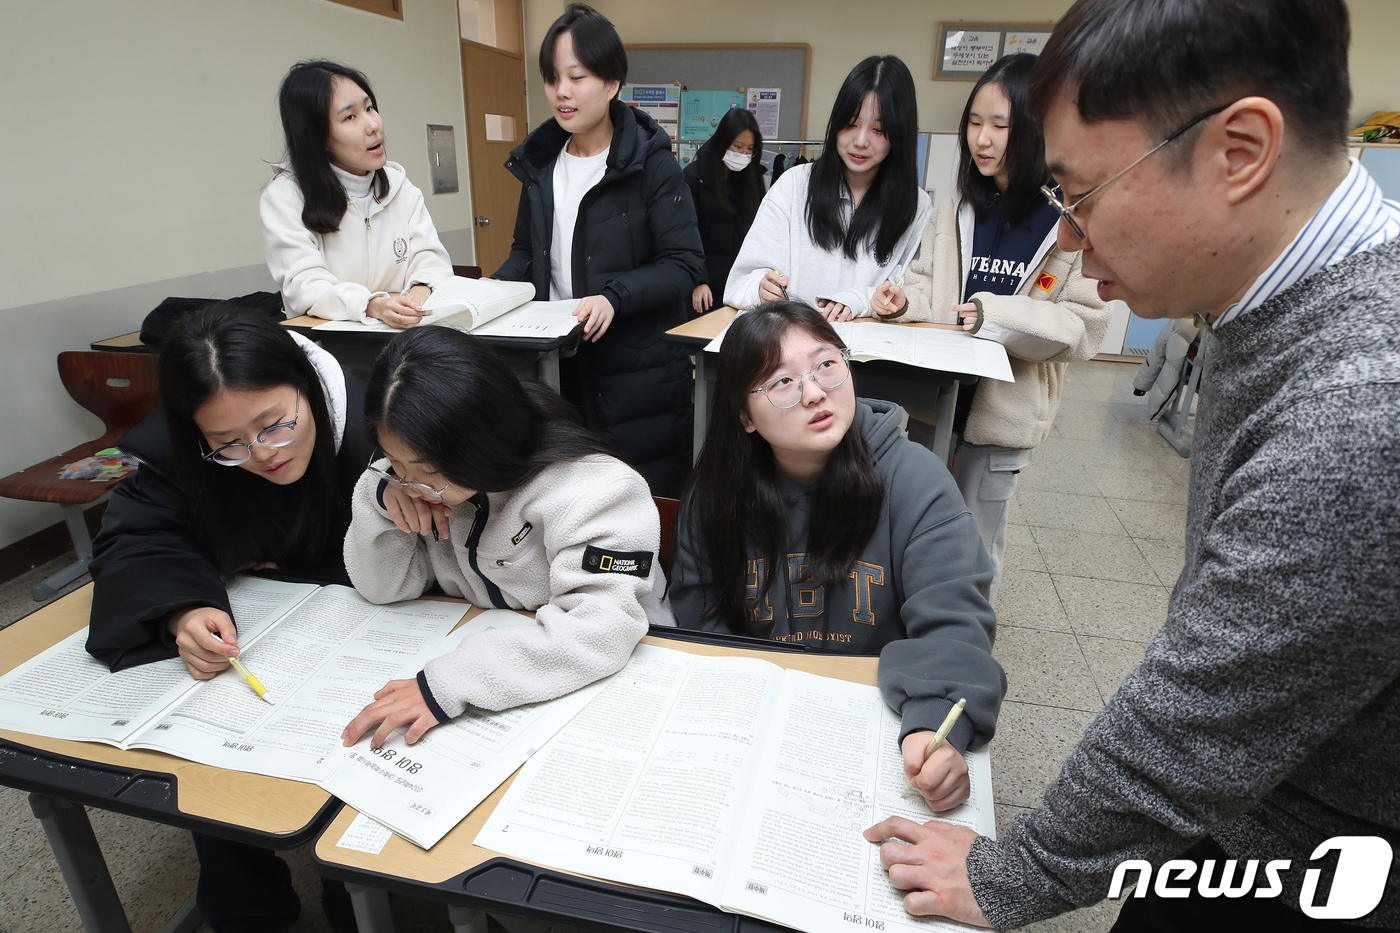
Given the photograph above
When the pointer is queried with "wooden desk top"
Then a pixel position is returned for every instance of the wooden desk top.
(131, 341)
(305, 320)
(707, 327)
(251, 801)
(456, 853)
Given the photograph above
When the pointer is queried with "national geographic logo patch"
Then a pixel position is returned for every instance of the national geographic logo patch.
(634, 563)
(522, 533)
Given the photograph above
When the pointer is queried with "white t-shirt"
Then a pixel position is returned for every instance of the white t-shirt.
(573, 177)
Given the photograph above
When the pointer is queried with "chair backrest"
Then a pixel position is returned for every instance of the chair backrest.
(667, 509)
(119, 388)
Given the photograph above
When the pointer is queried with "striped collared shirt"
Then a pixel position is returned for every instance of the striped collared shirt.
(1354, 218)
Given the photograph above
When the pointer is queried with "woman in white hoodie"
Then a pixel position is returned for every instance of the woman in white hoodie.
(989, 261)
(346, 234)
(828, 233)
(494, 490)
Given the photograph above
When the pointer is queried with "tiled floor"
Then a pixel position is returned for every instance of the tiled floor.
(1094, 547)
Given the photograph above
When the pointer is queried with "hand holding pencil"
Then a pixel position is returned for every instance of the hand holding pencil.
(935, 768)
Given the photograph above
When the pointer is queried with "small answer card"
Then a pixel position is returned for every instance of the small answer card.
(365, 835)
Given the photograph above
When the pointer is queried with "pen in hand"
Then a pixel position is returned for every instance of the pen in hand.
(948, 722)
(262, 692)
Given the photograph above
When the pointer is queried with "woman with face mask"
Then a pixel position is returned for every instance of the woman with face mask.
(829, 233)
(605, 218)
(989, 261)
(346, 234)
(726, 182)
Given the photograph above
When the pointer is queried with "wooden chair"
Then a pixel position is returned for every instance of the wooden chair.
(667, 509)
(119, 388)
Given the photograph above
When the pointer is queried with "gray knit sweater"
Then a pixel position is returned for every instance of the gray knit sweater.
(1266, 713)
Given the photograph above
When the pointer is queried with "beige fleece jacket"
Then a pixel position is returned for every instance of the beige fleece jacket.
(1054, 318)
(539, 550)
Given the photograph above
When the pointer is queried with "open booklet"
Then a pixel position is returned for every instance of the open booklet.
(485, 307)
(322, 652)
(949, 351)
(732, 781)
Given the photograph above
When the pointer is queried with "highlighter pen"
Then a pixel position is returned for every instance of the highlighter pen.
(252, 681)
(939, 736)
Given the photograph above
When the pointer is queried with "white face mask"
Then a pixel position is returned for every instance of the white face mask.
(736, 161)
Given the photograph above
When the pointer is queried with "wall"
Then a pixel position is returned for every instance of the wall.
(841, 35)
(141, 131)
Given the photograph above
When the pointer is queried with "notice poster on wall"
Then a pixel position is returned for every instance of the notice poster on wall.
(1031, 42)
(765, 103)
(701, 111)
(970, 52)
(965, 50)
(662, 102)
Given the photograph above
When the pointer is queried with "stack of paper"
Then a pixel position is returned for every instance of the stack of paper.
(485, 307)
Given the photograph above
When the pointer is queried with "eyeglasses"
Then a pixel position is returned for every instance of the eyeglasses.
(742, 150)
(784, 390)
(279, 435)
(424, 491)
(1067, 212)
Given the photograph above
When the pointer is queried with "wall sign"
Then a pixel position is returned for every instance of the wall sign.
(965, 50)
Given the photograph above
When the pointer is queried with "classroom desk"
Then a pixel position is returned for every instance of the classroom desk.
(911, 386)
(358, 349)
(61, 777)
(122, 343)
(470, 879)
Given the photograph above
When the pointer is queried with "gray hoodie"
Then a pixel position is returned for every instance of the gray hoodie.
(917, 595)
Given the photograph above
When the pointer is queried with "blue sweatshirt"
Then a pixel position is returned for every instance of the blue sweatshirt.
(916, 597)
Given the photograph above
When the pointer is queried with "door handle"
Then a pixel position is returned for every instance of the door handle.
(482, 221)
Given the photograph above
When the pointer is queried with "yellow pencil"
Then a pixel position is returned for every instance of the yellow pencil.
(253, 682)
(939, 736)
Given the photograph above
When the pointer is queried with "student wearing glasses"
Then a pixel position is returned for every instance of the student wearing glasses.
(989, 261)
(810, 518)
(249, 467)
(495, 491)
(726, 183)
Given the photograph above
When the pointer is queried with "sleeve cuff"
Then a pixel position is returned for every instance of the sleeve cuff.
(429, 699)
(929, 713)
(981, 316)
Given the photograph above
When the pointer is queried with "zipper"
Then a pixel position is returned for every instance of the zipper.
(483, 514)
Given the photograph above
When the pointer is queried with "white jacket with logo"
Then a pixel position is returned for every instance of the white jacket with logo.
(544, 548)
(1055, 317)
(334, 275)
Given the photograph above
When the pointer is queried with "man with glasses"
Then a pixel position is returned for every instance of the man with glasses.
(1200, 151)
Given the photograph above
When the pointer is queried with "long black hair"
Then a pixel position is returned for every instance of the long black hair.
(457, 404)
(238, 518)
(305, 104)
(734, 503)
(1025, 146)
(888, 208)
(737, 192)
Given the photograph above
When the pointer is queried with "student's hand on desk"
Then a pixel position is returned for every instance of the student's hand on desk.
(773, 287)
(206, 639)
(414, 515)
(889, 301)
(930, 862)
(398, 703)
(702, 299)
(967, 313)
(942, 780)
(834, 310)
(398, 312)
(596, 313)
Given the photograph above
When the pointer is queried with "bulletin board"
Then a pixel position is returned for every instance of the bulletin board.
(964, 50)
(720, 66)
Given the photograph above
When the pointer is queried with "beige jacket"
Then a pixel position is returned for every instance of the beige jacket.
(1054, 318)
(577, 545)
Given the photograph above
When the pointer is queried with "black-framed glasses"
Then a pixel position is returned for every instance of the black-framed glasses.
(424, 491)
(784, 390)
(1053, 195)
(279, 435)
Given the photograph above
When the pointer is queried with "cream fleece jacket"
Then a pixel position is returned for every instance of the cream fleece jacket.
(542, 548)
(778, 240)
(334, 275)
(1054, 318)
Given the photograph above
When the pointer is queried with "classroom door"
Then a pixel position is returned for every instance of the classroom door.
(494, 88)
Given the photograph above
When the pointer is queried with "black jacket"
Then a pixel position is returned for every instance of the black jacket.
(636, 243)
(146, 564)
(721, 231)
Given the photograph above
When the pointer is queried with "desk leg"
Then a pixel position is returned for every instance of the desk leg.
(80, 859)
(548, 368)
(372, 911)
(702, 406)
(943, 431)
(465, 919)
